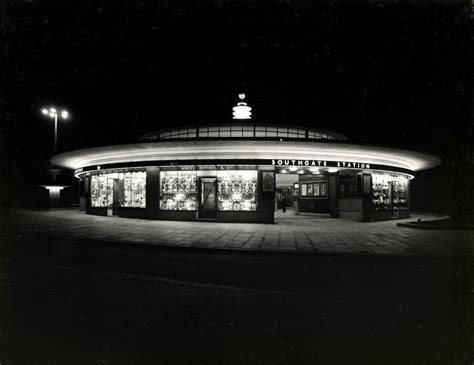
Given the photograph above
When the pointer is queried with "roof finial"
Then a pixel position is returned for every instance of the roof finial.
(242, 110)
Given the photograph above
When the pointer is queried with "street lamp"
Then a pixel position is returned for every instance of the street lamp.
(53, 113)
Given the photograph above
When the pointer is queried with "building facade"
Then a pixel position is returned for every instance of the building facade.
(231, 172)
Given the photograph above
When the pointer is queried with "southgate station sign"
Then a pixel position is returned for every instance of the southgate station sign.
(320, 163)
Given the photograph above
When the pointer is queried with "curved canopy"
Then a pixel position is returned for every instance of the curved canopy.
(244, 150)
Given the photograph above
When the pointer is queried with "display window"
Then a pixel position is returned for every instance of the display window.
(237, 190)
(134, 189)
(381, 191)
(130, 189)
(178, 190)
(99, 190)
(127, 196)
(102, 189)
(399, 193)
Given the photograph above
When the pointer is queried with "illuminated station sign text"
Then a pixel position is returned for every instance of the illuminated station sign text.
(321, 163)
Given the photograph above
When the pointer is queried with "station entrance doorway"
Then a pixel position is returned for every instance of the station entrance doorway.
(287, 192)
(302, 194)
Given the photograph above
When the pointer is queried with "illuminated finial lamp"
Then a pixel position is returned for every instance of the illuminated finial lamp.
(242, 110)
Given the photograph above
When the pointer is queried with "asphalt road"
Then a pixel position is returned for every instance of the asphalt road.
(83, 302)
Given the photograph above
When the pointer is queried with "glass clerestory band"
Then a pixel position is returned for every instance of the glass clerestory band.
(242, 131)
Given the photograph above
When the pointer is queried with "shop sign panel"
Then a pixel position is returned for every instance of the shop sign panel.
(322, 163)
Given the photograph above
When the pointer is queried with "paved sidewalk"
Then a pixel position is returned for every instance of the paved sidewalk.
(305, 234)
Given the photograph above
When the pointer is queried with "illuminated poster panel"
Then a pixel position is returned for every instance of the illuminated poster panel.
(304, 190)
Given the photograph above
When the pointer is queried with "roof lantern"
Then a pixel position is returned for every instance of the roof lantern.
(242, 110)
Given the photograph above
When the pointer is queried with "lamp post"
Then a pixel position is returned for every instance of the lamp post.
(53, 113)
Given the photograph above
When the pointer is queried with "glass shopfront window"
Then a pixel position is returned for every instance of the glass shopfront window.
(100, 190)
(237, 190)
(134, 189)
(382, 191)
(178, 190)
(399, 187)
(130, 189)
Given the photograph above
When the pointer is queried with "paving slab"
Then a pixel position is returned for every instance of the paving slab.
(305, 233)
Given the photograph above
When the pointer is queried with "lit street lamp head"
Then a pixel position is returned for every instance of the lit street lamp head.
(53, 113)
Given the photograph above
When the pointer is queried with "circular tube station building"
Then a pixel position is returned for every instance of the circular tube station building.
(244, 171)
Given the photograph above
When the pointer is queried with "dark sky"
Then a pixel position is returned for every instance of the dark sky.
(387, 73)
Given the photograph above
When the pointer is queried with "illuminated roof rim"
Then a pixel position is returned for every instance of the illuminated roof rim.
(245, 150)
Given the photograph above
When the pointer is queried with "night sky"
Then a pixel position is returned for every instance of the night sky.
(384, 73)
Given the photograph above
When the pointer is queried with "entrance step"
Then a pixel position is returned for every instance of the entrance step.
(207, 219)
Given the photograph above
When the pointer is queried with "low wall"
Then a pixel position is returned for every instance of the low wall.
(186, 215)
(374, 216)
(96, 211)
(312, 205)
(170, 215)
(351, 208)
(401, 214)
(239, 217)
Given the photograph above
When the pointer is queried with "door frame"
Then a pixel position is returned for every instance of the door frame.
(115, 196)
(207, 213)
